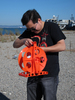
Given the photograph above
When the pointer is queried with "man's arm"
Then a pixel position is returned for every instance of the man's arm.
(19, 42)
(59, 46)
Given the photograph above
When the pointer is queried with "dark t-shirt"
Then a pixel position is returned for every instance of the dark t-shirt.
(49, 35)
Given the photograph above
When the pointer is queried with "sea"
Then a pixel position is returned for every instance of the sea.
(12, 30)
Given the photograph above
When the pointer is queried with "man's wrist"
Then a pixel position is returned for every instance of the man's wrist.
(24, 42)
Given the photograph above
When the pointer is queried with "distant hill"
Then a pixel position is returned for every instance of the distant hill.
(12, 26)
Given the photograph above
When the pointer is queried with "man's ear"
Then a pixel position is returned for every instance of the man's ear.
(39, 19)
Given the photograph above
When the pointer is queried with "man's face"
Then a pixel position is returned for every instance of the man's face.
(36, 28)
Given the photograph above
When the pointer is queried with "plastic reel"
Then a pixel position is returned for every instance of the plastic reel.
(32, 60)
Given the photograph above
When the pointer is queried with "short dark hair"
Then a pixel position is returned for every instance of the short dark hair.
(30, 15)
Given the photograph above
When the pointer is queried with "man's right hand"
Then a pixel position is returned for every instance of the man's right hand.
(28, 42)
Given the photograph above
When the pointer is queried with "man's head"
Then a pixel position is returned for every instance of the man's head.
(32, 20)
(30, 15)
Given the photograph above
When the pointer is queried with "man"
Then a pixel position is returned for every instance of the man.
(51, 40)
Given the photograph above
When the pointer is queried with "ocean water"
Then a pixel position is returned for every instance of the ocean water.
(12, 30)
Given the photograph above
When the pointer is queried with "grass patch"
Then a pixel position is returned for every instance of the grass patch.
(7, 38)
(71, 50)
(68, 31)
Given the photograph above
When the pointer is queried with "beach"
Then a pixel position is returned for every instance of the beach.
(13, 86)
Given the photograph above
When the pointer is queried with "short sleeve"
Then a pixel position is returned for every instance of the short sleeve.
(25, 34)
(56, 33)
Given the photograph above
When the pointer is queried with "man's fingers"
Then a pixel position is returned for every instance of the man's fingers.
(28, 42)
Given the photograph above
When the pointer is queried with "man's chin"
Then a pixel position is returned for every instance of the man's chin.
(36, 32)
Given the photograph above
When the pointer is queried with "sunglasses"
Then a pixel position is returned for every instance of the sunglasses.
(33, 29)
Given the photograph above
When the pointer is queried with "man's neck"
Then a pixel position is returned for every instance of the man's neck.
(43, 24)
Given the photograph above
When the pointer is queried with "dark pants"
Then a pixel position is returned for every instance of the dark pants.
(46, 87)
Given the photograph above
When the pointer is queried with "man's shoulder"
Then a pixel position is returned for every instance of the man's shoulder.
(51, 23)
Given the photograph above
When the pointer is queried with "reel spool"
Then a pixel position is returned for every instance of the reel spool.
(32, 60)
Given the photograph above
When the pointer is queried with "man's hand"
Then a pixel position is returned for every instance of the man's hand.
(28, 42)
(43, 48)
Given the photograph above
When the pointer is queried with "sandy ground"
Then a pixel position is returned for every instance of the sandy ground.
(13, 86)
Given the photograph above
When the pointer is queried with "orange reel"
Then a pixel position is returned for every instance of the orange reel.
(32, 60)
